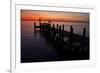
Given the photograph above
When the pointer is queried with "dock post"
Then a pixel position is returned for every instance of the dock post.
(70, 37)
(53, 29)
(62, 33)
(43, 28)
(57, 32)
(83, 38)
(59, 43)
(53, 35)
(34, 26)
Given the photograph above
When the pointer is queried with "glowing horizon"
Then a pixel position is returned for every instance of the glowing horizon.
(35, 15)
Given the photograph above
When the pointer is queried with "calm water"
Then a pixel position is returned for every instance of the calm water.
(34, 47)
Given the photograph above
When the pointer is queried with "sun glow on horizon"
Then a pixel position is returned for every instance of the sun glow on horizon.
(34, 15)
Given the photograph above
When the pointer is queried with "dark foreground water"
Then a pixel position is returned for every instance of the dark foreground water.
(35, 48)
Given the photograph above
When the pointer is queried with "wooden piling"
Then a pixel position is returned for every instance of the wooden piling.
(83, 39)
(71, 37)
(55, 35)
(59, 32)
(62, 31)
(34, 26)
(62, 38)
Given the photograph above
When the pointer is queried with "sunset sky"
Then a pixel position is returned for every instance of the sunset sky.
(33, 15)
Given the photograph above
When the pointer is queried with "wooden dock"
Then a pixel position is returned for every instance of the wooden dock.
(56, 36)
